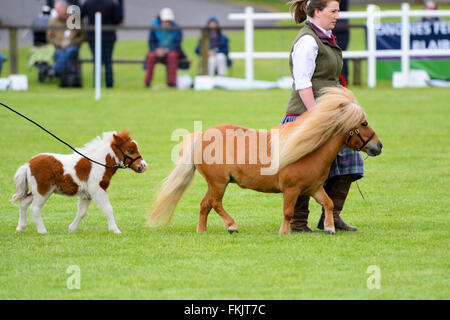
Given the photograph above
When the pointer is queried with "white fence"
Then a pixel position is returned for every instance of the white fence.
(372, 16)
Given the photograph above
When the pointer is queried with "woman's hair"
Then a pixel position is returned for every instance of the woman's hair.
(302, 8)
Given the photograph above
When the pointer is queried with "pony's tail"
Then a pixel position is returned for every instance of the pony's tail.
(20, 179)
(174, 185)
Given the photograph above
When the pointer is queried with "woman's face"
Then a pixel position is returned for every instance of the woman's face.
(212, 25)
(328, 17)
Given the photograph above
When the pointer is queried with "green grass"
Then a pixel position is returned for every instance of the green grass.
(403, 223)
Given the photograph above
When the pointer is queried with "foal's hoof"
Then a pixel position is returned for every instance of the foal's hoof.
(233, 231)
(329, 231)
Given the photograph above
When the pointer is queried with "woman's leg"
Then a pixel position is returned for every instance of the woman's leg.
(107, 52)
(152, 59)
(172, 66)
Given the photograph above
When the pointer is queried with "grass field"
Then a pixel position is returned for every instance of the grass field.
(403, 221)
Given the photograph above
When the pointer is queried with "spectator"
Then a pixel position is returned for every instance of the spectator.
(218, 60)
(65, 41)
(165, 47)
(342, 35)
(2, 58)
(41, 55)
(430, 5)
(111, 15)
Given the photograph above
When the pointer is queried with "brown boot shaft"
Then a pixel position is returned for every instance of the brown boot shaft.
(299, 222)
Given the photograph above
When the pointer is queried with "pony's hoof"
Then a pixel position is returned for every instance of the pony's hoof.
(19, 230)
(329, 231)
(231, 231)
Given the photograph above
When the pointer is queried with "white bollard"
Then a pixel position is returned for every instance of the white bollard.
(98, 55)
(405, 41)
(249, 32)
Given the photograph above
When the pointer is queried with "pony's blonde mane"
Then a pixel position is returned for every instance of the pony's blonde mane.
(97, 144)
(336, 111)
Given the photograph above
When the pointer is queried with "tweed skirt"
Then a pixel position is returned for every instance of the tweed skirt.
(347, 161)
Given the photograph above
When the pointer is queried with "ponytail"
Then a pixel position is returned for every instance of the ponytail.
(300, 9)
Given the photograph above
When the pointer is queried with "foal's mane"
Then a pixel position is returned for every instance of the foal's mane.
(336, 111)
(98, 144)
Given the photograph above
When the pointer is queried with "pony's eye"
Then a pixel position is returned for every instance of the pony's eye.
(131, 151)
(364, 124)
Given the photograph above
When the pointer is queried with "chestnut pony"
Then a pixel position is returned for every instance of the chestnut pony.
(304, 150)
(74, 175)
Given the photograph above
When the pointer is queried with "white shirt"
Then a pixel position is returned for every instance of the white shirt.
(304, 59)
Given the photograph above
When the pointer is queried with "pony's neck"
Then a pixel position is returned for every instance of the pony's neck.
(331, 148)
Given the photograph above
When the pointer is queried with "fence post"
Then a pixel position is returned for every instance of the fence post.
(405, 42)
(371, 47)
(204, 50)
(13, 52)
(98, 55)
(249, 66)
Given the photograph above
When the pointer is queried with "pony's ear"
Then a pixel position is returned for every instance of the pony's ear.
(122, 136)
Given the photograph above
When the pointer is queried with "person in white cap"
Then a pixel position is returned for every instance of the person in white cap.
(165, 47)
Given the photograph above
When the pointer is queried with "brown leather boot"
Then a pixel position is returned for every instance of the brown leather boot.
(299, 223)
(337, 189)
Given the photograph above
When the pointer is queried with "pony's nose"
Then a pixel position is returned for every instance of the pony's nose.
(380, 145)
(143, 166)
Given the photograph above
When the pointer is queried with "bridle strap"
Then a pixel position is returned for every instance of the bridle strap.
(365, 142)
(125, 158)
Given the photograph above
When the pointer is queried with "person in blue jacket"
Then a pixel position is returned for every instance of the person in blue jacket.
(165, 47)
(218, 60)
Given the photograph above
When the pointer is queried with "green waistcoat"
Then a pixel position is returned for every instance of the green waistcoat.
(326, 74)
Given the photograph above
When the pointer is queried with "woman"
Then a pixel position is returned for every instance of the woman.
(218, 60)
(165, 47)
(316, 62)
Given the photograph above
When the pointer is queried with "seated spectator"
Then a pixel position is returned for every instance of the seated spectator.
(430, 5)
(218, 60)
(2, 58)
(65, 41)
(165, 47)
(41, 55)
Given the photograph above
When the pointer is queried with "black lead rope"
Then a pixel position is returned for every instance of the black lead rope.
(360, 190)
(123, 166)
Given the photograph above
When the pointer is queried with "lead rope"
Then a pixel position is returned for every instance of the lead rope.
(41, 127)
(360, 190)
(358, 184)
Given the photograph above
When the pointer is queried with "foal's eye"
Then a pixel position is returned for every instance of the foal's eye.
(364, 124)
(131, 151)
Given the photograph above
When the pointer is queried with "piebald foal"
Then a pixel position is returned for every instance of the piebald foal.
(74, 175)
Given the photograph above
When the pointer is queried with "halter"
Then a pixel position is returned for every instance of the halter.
(356, 131)
(123, 165)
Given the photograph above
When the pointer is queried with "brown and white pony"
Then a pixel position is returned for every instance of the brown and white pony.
(74, 175)
(304, 152)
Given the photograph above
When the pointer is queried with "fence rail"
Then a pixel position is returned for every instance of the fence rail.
(372, 16)
(13, 44)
